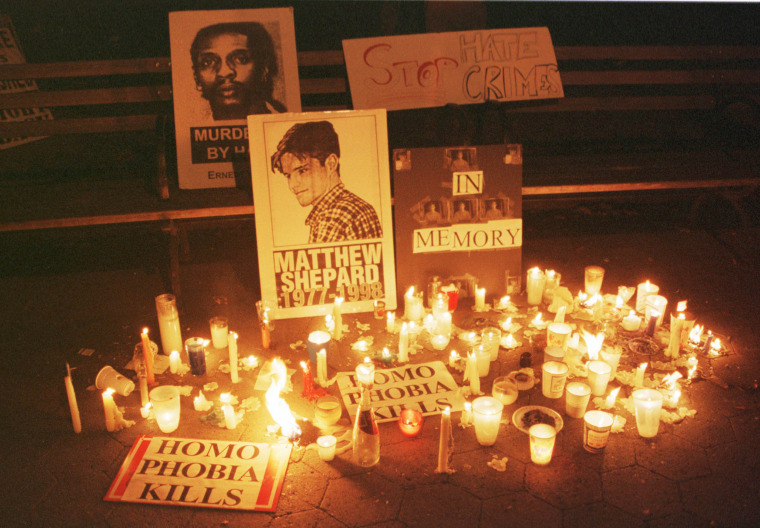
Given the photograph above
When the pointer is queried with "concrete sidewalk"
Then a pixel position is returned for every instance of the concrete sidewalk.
(700, 472)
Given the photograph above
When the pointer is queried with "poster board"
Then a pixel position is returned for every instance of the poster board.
(228, 82)
(462, 67)
(10, 53)
(458, 216)
(304, 268)
(427, 387)
(202, 473)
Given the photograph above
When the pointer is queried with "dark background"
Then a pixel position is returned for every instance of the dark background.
(91, 29)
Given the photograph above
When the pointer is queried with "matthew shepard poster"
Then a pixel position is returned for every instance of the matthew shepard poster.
(226, 65)
(458, 216)
(321, 191)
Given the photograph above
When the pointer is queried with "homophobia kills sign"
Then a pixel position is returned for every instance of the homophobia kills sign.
(202, 473)
(427, 387)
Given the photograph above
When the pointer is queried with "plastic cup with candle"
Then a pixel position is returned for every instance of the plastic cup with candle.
(596, 430)
(410, 422)
(647, 404)
(109, 377)
(165, 402)
(542, 438)
(486, 412)
(168, 322)
(598, 377)
(611, 356)
(577, 396)
(490, 337)
(553, 379)
(326, 447)
(219, 332)
(317, 340)
(505, 390)
(327, 411)
(483, 360)
(558, 334)
(594, 276)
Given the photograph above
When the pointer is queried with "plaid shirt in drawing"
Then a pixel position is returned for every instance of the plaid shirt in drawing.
(341, 215)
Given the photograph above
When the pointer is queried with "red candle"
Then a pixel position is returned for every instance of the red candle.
(308, 380)
(410, 422)
(148, 356)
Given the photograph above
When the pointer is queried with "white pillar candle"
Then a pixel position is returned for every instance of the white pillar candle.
(443, 442)
(168, 322)
(559, 317)
(480, 299)
(674, 344)
(638, 380)
(390, 321)
(232, 340)
(145, 410)
(644, 290)
(466, 417)
(76, 421)
(472, 373)
(108, 409)
(403, 344)
(322, 367)
(365, 372)
(484, 360)
(143, 382)
(598, 377)
(174, 361)
(486, 412)
(647, 405)
(534, 286)
(453, 358)
(219, 332)
(230, 421)
(338, 318)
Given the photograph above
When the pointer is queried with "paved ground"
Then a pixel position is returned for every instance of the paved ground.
(62, 293)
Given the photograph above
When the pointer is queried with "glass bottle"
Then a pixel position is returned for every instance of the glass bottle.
(366, 438)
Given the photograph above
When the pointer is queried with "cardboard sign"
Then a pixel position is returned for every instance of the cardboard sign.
(458, 213)
(202, 473)
(323, 227)
(227, 64)
(418, 71)
(427, 387)
(10, 53)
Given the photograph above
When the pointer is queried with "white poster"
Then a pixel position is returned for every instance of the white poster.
(226, 65)
(321, 191)
(463, 67)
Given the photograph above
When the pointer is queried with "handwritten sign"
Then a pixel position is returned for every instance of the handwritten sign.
(418, 71)
(202, 473)
(427, 387)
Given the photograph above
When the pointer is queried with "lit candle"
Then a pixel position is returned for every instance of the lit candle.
(218, 326)
(510, 342)
(644, 290)
(412, 305)
(143, 382)
(472, 373)
(610, 401)
(76, 422)
(440, 305)
(638, 380)
(443, 442)
(534, 286)
(365, 372)
(506, 325)
(230, 420)
(148, 355)
(200, 403)
(559, 317)
(486, 417)
(676, 325)
(466, 417)
(538, 321)
(439, 341)
(686, 328)
(444, 324)
(251, 362)
(403, 344)
(145, 410)
(410, 422)
(266, 336)
(631, 322)
(480, 299)
(109, 407)
(338, 317)
(542, 438)
(593, 344)
(552, 283)
(647, 406)
(652, 322)
(174, 361)
(453, 358)
(484, 360)
(390, 321)
(429, 323)
(708, 342)
(322, 367)
(385, 356)
(308, 380)
(232, 341)
(715, 347)
(598, 377)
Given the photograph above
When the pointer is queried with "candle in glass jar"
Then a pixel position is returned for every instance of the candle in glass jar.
(534, 286)
(219, 331)
(480, 299)
(365, 372)
(410, 422)
(412, 305)
(644, 290)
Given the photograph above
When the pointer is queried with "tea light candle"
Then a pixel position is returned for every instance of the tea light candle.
(453, 358)
(322, 367)
(644, 290)
(439, 341)
(200, 403)
(326, 447)
(148, 356)
(472, 373)
(631, 322)
(480, 299)
(542, 438)
(410, 422)
(174, 361)
(233, 352)
(403, 344)
(338, 318)
(230, 420)
(638, 380)
(390, 322)
(443, 442)
(76, 421)
(413, 308)
(109, 408)
(251, 362)
(365, 372)
(534, 286)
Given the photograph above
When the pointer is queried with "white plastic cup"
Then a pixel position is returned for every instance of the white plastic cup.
(594, 276)
(326, 447)
(486, 412)
(558, 334)
(598, 377)
(596, 430)
(552, 353)
(542, 437)
(108, 377)
(553, 379)
(647, 404)
(611, 356)
(577, 396)
(165, 402)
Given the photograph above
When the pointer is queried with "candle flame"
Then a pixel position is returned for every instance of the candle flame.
(618, 302)
(507, 324)
(108, 392)
(386, 353)
(671, 380)
(276, 406)
(145, 330)
(612, 397)
(410, 292)
(537, 320)
(225, 397)
(454, 356)
(715, 346)
(550, 274)
(593, 344)
(676, 396)
(304, 366)
(338, 301)
(695, 335)
(681, 306)
(511, 341)
(534, 271)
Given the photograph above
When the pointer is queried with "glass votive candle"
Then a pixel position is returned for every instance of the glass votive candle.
(596, 430)
(542, 438)
(483, 357)
(505, 390)
(611, 356)
(553, 379)
(219, 331)
(598, 377)
(558, 334)
(490, 337)
(594, 276)
(327, 411)
(326, 447)
(439, 341)
(534, 286)
(647, 404)
(486, 412)
(165, 402)
(655, 304)
(410, 422)
(577, 396)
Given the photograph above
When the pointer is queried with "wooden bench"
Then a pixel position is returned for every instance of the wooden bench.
(633, 119)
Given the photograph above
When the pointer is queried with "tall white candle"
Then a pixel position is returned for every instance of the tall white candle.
(174, 361)
(534, 286)
(480, 299)
(108, 409)
(76, 422)
(230, 420)
(413, 309)
(676, 325)
(638, 380)
(390, 321)
(168, 322)
(143, 381)
(472, 373)
(338, 318)
(232, 341)
(322, 367)
(443, 442)
(403, 344)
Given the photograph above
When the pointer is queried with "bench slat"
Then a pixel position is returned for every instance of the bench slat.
(77, 126)
(95, 96)
(621, 77)
(655, 53)
(98, 68)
